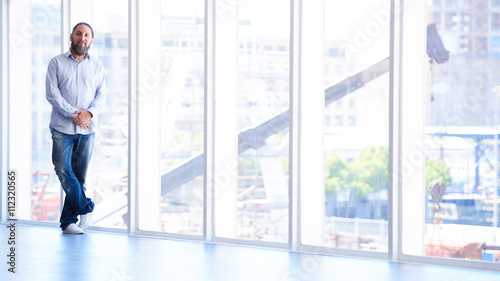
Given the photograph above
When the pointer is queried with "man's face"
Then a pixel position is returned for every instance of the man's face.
(81, 39)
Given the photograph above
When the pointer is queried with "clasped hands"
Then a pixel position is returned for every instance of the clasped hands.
(82, 119)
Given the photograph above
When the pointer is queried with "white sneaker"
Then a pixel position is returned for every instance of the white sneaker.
(73, 229)
(85, 221)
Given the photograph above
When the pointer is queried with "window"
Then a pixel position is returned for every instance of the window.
(352, 104)
(351, 121)
(328, 120)
(339, 121)
(450, 21)
(480, 22)
(334, 52)
(108, 175)
(252, 132)
(495, 21)
(459, 149)
(182, 117)
(480, 44)
(495, 46)
(45, 188)
(356, 160)
(220, 144)
(338, 104)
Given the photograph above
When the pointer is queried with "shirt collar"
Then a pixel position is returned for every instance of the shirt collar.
(70, 55)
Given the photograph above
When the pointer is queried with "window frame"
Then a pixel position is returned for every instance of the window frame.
(404, 17)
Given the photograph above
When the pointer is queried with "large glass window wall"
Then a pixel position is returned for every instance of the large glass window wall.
(268, 123)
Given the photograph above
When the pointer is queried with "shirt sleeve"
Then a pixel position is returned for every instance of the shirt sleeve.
(100, 96)
(53, 94)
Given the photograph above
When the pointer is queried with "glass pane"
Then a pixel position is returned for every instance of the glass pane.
(356, 138)
(262, 207)
(108, 169)
(462, 127)
(182, 116)
(46, 43)
(263, 96)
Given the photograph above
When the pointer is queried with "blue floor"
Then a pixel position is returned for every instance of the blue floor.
(44, 253)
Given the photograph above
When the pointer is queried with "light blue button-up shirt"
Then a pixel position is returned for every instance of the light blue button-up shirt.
(72, 86)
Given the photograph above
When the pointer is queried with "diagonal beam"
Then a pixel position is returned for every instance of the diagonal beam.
(255, 137)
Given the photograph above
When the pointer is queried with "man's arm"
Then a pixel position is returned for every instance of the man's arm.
(53, 94)
(100, 96)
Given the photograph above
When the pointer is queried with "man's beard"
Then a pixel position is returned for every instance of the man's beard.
(79, 49)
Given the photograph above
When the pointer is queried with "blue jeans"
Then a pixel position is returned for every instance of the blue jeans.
(71, 156)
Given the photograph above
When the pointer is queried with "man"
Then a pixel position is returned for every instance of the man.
(75, 87)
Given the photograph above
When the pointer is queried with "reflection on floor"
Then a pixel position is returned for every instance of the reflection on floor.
(44, 253)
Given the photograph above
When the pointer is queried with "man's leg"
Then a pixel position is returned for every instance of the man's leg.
(82, 152)
(75, 201)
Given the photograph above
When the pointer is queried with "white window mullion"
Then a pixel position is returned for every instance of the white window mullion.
(65, 26)
(311, 122)
(293, 205)
(208, 185)
(132, 118)
(413, 87)
(147, 99)
(225, 127)
(394, 205)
